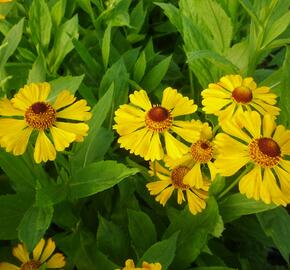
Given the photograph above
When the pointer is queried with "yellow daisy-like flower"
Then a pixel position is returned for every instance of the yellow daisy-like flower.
(173, 179)
(233, 94)
(140, 125)
(30, 110)
(130, 265)
(199, 154)
(252, 140)
(41, 254)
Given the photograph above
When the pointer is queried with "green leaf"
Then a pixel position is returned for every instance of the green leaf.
(57, 12)
(38, 71)
(194, 230)
(106, 44)
(142, 230)
(18, 171)
(70, 83)
(40, 23)
(137, 18)
(140, 67)
(112, 240)
(12, 40)
(276, 224)
(12, 210)
(213, 268)
(87, 151)
(97, 177)
(63, 43)
(34, 224)
(162, 252)
(153, 78)
(237, 205)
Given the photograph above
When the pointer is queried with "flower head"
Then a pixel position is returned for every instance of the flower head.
(140, 125)
(30, 111)
(130, 265)
(42, 253)
(252, 140)
(200, 154)
(233, 94)
(173, 179)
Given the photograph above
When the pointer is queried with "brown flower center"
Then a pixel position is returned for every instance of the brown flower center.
(265, 152)
(202, 151)
(31, 265)
(40, 115)
(177, 176)
(242, 94)
(158, 119)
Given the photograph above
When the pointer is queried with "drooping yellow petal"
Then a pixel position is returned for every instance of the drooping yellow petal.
(273, 110)
(185, 160)
(144, 146)
(7, 108)
(38, 249)
(77, 111)
(157, 167)
(10, 126)
(212, 170)
(21, 253)
(215, 90)
(252, 122)
(155, 151)
(140, 99)
(195, 204)
(269, 98)
(61, 138)
(174, 148)
(194, 177)
(79, 129)
(214, 105)
(233, 128)
(48, 250)
(228, 166)
(56, 261)
(157, 186)
(8, 266)
(44, 149)
(63, 99)
(180, 196)
(284, 181)
(281, 135)
(164, 196)
(186, 130)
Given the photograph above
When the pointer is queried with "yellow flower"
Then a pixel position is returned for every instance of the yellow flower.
(40, 256)
(233, 94)
(199, 154)
(256, 141)
(5, 1)
(173, 179)
(30, 110)
(129, 265)
(140, 125)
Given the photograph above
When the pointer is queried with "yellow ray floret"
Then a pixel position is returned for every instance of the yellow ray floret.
(130, 265)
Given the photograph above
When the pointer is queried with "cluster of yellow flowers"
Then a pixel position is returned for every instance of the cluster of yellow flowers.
(193, 154)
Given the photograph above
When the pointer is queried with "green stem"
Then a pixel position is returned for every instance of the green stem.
(235, 182)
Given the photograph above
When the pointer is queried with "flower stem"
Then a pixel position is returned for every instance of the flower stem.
(235, 182)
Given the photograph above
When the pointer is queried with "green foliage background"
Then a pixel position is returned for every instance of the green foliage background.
(93, 199)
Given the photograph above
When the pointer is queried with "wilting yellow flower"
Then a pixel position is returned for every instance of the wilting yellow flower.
(41, 254)
(30, 110)
(250, 140)
(173, 179)
(233, 94)
(199, 154)
(140, 125)
(129, 265)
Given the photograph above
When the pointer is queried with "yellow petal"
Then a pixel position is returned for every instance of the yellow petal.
(214, 105)
(212, 170)
(129, 263)
(214, 90)
(252, 122)
(164, 196)
(8, 266)
(195, 203)
(144, 145)
(61, 138)
(250, 83)
(268, 108)
(48, 250)
(21, 253)
(180, 196)
(155, 151)
(174, 148)
(77, 111)
(186, 130)
(79, 129)
(44, 149)
(38, 249)
(284, 180)
(194, 177)
(227, 114)
(157, 186)
(132, 140)
(233, 128)
(269, 98)
(7, 108)
(268, 125)
(157, 167)
(10, 126)
(228, 166)
(63, 99)
(281, 135)
(140, 99)
(185, 160)
(56, 261)
(230, 82)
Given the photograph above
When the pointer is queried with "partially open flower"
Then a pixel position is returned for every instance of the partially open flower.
(130, 265)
